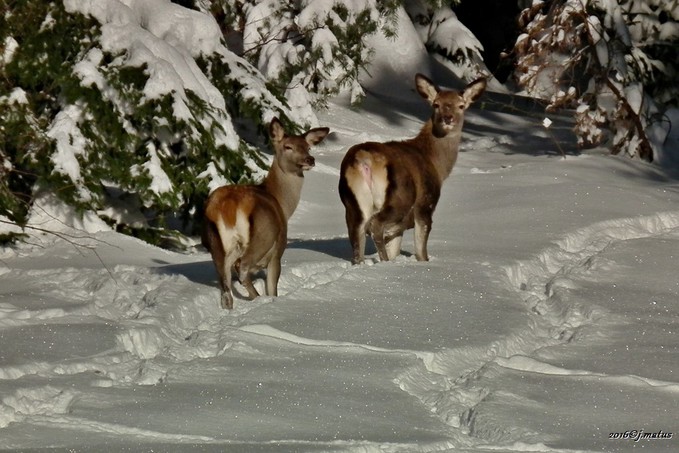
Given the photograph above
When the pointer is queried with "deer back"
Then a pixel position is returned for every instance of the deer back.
(412, 169)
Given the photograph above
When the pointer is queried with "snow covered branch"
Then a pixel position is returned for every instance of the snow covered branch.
(603, 59)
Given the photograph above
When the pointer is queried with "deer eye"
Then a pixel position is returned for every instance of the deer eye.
(287, 148)
(436, 105)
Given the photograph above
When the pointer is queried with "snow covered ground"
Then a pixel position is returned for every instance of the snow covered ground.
(546, 319)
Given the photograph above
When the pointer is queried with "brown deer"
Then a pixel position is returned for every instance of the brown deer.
(246, 226)
(387, 188)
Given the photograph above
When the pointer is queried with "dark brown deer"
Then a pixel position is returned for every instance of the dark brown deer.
(246, 226)
(387, 188)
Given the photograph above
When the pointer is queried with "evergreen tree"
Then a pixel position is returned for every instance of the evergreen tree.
(136, 110)
(307, 50)
(105, 113)
(615, 63)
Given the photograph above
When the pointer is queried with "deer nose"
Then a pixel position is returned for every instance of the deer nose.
(307, 162)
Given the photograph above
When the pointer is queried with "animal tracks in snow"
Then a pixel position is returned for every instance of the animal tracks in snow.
(540, 278)
(154, 323)
(455, 376)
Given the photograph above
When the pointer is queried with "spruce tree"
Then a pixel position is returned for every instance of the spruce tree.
(136, 110)
(307, 50)
(102, 127)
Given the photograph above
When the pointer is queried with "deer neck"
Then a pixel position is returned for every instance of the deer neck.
(285, 187)
(441, 149)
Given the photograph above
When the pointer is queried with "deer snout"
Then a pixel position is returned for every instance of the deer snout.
(448, 120)
(308, 162)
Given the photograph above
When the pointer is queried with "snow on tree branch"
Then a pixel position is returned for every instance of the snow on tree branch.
(610, 61)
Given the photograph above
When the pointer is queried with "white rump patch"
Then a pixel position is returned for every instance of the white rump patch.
(234, 239)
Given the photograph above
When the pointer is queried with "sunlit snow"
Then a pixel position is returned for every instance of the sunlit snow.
(546, 319)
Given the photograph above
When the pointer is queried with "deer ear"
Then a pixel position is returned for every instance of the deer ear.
(426, 88)
(276, 131)
(474, 90)
(316, 136)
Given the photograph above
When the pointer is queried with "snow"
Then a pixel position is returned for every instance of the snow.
(634, 94)
(50, 214)
(160, 182)
(545, 321)
(315, 12)
(391, 70)
(452, 35)
(165, 38)
(17, 96)
(9, 49)
(324, 40)
(69, 144)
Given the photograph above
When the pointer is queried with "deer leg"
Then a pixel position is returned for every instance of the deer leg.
(227, 299)
(377, 233)
(386, 233)
(356, 229)
(393, 246)
(218, 257)
(223, 262)
(213, 244)
(244, 272)
(227, 283)
(359, 247)
(273, 273)
(422, 228)
(245, 278)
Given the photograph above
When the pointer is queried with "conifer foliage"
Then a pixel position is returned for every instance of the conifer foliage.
(136, 109)
(308, 50)
(614, 62)
(446, 38)
(105, 112)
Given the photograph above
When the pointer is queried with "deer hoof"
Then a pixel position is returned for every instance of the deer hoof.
(227, 300)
